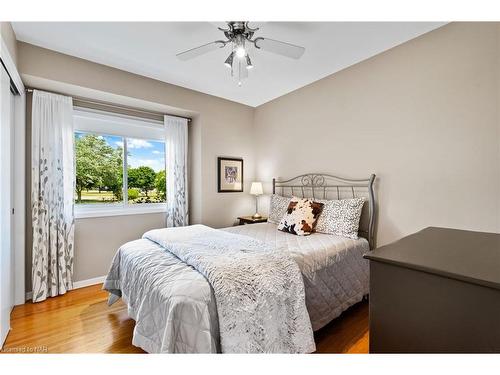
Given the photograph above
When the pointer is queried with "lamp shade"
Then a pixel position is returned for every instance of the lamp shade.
(256, 188)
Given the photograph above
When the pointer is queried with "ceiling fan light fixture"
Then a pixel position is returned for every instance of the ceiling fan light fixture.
(229, 60)
(240, 51)
(249, 62)
(239, 47)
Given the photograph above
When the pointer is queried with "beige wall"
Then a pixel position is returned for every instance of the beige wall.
(97, 240)
(422, 116)
(9, 38)
(219, 128)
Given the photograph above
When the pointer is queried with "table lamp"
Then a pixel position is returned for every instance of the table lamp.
(256, 189)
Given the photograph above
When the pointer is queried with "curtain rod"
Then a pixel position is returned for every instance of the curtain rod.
(111, 105)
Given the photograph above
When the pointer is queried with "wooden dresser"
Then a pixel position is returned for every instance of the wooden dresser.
(436, 291)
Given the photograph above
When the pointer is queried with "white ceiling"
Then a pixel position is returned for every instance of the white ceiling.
(149, 49)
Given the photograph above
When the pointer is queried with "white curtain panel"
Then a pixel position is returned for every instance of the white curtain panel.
(176, 144)
(52, 194)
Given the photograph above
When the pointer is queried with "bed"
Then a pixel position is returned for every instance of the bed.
(175, 307)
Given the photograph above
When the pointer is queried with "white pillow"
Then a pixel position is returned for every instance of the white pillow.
(277, 208)
(340, 217)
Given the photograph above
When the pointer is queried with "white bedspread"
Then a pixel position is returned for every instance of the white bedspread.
(335, 274)
(174, 305)
(258, 288)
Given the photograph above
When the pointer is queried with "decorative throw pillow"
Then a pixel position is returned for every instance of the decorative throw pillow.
(341, 217)
(277, 208)
(301, 216)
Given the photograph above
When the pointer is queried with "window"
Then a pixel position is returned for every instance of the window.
(120, 165)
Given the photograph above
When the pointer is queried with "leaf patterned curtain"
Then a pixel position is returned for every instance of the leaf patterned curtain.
(52, 194)
(176, 144)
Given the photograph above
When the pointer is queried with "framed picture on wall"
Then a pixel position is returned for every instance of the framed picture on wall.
(229, 175)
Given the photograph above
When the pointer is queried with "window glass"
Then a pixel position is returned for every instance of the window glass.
(146, 171)
(99, 168)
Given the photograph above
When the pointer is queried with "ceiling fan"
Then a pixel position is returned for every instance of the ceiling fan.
(239, 35)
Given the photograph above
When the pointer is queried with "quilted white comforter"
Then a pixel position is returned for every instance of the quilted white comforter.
(258, 288)
(174, 305)
(335, 274)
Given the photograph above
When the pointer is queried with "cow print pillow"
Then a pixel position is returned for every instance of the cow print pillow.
(301, 216)
(277, 208)
(341, 217)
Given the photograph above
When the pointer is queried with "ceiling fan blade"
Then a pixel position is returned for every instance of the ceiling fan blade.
(198, 51)
(280, 48)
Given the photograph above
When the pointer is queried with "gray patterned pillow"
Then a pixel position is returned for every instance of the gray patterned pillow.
(277, 208)
(341, 217)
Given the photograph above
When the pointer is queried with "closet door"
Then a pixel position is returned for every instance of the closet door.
(6, 248)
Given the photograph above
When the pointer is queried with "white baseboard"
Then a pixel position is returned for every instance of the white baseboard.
(88, 282)
(77, 284)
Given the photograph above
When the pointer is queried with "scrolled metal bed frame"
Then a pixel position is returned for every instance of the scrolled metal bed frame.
(325, 186)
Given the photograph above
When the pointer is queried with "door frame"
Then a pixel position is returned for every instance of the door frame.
(19, 177)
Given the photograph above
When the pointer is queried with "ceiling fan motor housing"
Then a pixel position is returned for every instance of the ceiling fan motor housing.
(238, 28)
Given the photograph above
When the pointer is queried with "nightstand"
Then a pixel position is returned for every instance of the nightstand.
(251, 220)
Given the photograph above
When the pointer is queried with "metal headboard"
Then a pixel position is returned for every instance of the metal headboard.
(325, 186)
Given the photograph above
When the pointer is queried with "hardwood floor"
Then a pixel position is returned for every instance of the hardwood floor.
(81, 322)
(346, 334)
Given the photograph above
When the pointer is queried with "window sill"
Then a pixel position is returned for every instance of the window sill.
(84, 212)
